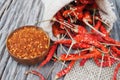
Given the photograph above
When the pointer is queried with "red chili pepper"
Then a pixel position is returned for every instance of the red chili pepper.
(91, 54)
(86, 38)
(67, 43)
(98, 37)
(74, 11)
(103, 30)
(57, 30)
(49, 55)
(66, 70)
(115, 50)
(37, 73)
(87, 16)
(87, 1)
(63, 41)
(83, 61)
(89, 39)
(97, 26)
(105, 39)
(81, 45)
(116, 71)
(59, 17)
(83, 52)
(106, 63)
(111, 40)
(105, 57)
(81, 29)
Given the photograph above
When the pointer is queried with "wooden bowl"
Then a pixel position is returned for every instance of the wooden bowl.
(28, 44)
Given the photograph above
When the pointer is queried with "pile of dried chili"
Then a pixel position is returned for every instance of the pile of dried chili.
(28, 42)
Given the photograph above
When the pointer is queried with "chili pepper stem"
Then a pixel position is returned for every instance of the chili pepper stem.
(103, 51)
(86, 22)
(97, 18)
(64, 23)
(54, 19)
(99, 74)
(73, 42)
(58, 60)
(42, 21)
(72, 10)
(50, 71)
(68, 53)
(112, 56)
(110, 44)
(70, 17)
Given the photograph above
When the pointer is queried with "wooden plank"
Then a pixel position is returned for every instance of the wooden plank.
(16, 13)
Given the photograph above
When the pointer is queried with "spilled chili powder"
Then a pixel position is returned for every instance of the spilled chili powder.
(28, 42)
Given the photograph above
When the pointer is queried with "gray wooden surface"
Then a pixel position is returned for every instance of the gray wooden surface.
(13, 14)
(16, 13)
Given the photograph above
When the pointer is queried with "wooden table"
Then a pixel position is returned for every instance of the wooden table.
(13, 14)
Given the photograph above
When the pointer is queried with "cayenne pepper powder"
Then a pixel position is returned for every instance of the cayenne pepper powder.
(28, 42)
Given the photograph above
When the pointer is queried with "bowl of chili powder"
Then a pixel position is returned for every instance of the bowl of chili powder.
(28, 44)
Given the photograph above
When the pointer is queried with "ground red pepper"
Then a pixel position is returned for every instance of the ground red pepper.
(28, 42)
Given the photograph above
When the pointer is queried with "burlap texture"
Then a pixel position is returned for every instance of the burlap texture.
(90, 71)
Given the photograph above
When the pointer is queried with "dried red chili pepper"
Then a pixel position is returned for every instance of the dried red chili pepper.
(115, 50)
(66, 70)
(97, 26)
(111, 40)
(106, 63)
(83, 61)
(87, 1)
(87, 16)
(91, 54)
(67, 43)
(81, 45)
(59, 17)
(81, 29)
(103, 30)
(57, 30)
(36, 73)
(105, 39)
(89, 39)
(49, 56)
(98, 37)
(116, 71)
(75, 11)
